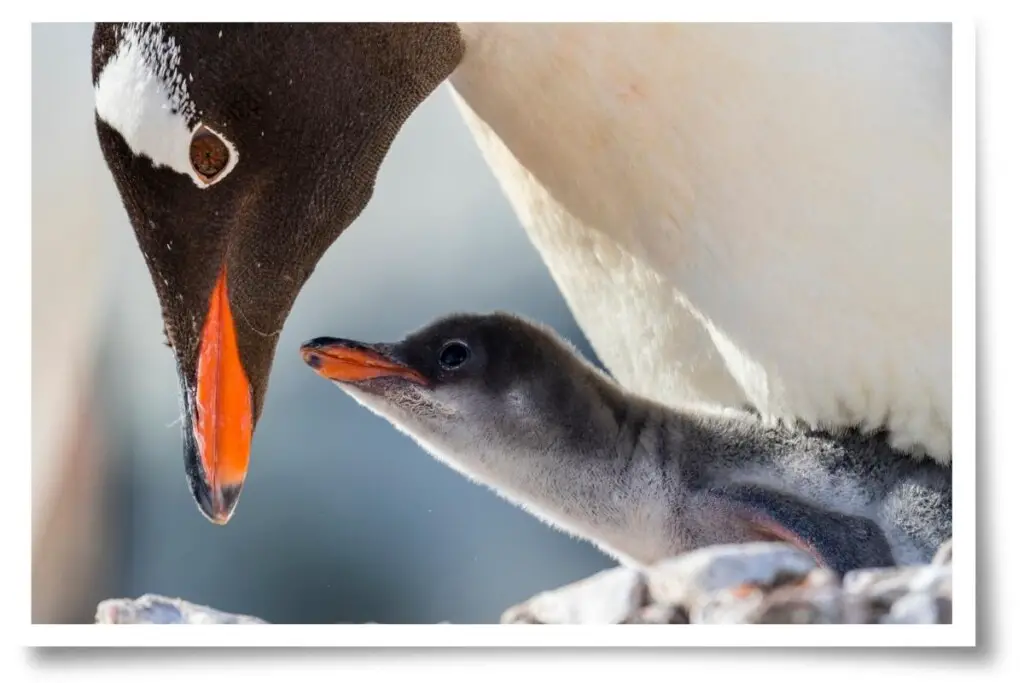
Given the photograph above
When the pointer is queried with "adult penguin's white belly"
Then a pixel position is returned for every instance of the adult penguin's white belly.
(738, 213)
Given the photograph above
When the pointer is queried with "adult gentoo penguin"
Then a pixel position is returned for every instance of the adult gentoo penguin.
(741, 215)
(510, 405)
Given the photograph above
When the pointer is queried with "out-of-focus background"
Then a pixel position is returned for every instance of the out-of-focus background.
(342, 519)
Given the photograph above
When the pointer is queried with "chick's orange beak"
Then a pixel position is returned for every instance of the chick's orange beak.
(343, 360)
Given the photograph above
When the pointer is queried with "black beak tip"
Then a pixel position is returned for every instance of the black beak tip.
(309, 350)
(217, 504)
(321, 342)
(229, 495)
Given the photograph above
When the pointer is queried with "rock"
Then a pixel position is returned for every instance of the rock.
(752, 583)
(608, 597)
(882, 585)
(692, 579)
(944, 555)
(817, 599)
(729, 606)
(157, 609)
(658, 614)
(913, 608)
(905, 595)
(945, 606)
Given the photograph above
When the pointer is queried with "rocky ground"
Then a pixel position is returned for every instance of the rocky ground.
(753, 583)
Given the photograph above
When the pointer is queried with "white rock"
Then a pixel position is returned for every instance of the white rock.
(913, 608)
(157, 609)
(689, 579)
(608, 597)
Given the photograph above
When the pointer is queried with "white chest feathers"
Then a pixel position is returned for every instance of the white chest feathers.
(738, 213)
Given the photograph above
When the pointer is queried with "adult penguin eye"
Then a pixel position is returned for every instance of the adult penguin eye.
(453, 354)
(208, 154)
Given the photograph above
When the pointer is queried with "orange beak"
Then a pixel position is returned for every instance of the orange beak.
(343, 360)
(222, 424)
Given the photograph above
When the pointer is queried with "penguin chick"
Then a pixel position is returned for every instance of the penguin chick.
(511, 405)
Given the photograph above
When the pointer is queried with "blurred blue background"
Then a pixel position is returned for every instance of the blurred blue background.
(342, 519)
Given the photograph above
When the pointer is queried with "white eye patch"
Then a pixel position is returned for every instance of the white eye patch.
(144, 97)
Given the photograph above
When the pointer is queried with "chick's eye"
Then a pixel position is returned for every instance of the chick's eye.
(453, 354)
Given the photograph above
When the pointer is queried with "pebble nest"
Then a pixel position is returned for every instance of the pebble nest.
(749, 583)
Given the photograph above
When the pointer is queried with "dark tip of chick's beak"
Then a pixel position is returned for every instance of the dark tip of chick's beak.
(328, 342)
